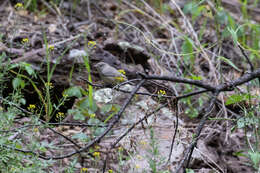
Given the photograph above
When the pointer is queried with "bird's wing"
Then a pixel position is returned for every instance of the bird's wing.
(111, 72)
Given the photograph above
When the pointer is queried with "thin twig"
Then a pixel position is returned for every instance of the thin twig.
(190, 149)
(175, 106)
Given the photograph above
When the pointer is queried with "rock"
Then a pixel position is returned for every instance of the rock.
(77, 55)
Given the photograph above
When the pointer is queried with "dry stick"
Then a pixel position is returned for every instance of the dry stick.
(89, 10)
(229, 86)
(64, 124)
(128, 130)
(222, 87)
(67, 138)
(49, 7)
(205, 55)
(175, 102)
(148, 94)
(30, 54)
(61, 157)
(15, 105)
(77, 124)
(3, 5)
(228, 110)
(248, 60)
(197, 134)
(111, 125)
(145, 117)
(243, 79)
(180, 80)
(94, 141)
(110, 19)
(61, 124)
(25, 111)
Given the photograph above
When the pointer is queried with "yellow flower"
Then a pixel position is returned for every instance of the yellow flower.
(143, 142)
(92, 44)
(137, 166)
(31, 107)
(83, 170)
(110, 171)
(60, 115)
(121, 71)
(18, 5)
(49, 84)
(96, 154)
(161, 92)
(25, 40)
(65, 95)
(92, 115)
(51, 47)
(120, 149)
(36, 130)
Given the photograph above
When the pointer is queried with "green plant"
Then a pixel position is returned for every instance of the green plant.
(191, 104)
(36, 5)
(189, 171)
(155, 160)
(71, 167)
(12, 160)
(251, 120)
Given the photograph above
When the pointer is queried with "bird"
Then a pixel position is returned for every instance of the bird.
(110, 75)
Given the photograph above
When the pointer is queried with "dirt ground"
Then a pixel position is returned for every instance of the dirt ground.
(138, 38)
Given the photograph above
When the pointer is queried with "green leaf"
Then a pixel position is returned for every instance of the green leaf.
(197, 11)
(84, 104)
(115, 108)
(231, 22)
(222, 16)
(239, 153)
(18, 146)
(28, 68)
(188, 49)
(236, 98)
(229, 63)
(233, 34)
(18, 82)
(94, 121)
(106, 108)
(188, 7)
(109, 117)
(43, 149)
(80, 136)
(189, 171)
(225, 33)
(255, 157)
(22, 101)
(77, 115)
(99, 131)
(193, 77)
(241, 123)
(2, 56)
(73, 91)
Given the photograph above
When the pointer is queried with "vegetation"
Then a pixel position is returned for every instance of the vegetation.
(204, 57)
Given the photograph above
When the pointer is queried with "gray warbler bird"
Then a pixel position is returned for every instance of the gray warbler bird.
(110, 75)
